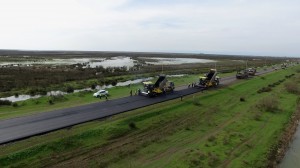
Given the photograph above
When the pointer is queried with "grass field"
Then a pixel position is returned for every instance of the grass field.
(233, 126)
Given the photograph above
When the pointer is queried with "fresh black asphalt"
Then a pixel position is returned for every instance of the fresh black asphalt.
(23, 127)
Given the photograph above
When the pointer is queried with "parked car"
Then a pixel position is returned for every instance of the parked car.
(100, 93)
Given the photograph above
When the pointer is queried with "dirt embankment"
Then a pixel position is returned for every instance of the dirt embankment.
(277, 152)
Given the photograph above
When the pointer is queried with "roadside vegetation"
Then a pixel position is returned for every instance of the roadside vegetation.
(234, 126)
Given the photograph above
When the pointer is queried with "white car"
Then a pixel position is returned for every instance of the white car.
(100, 93)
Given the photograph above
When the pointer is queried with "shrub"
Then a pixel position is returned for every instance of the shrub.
(16, 95)
(269, 104)
(132, 125)
(114, 83)
(5, 103)
(15, 104)
(58, 97)
(196, 101)
(32, 92)
(264, 89)
(51, 102)
(35, 91)
(212, 138)
(298, 100)
(93, 86)
(257, 116)
(213, 160)
(242, 99)
(42, 91)
(292, 87)
(70, 89)
(37, 102)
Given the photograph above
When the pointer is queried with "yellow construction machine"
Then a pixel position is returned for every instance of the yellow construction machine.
(161, 86)
(210, 79)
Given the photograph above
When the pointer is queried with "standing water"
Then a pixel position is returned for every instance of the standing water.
(292, 156)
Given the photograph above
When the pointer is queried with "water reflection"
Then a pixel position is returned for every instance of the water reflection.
(174, 61)
(119, 61)
(292, 156)
(20, 98)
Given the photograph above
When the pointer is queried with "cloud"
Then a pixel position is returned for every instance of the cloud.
(231, 26)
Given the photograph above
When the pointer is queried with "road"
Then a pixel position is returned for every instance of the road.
(23, 127)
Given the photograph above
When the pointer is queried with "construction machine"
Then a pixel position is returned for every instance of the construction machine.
(251, 71)
(243, 74)
(284, 66)
(210, 79)
(161, 86)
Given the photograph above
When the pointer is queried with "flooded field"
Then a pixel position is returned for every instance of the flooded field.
(119, 61)
(174, 61)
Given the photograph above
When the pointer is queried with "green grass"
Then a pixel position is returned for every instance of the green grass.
(220, 132)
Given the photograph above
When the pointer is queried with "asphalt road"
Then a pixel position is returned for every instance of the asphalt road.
(23, 127)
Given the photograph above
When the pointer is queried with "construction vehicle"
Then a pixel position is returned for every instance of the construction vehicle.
(284, 66)
(251, 71)
(210, 79)
(161, 86)
(244, 74)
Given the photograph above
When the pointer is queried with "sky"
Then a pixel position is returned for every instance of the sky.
(250, 27)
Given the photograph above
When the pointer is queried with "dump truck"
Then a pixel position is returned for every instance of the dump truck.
(210, 79)
(243, 74)
(161, 86)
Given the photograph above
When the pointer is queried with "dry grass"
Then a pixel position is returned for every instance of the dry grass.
(270, 104)
(292, 87)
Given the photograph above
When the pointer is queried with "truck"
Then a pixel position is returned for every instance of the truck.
(243, 74)
(251, 71)
(209, 79)
(161, 86)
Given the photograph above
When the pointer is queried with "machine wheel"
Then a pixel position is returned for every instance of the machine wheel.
(217, 82)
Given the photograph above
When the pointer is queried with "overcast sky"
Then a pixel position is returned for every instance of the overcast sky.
(259, 27)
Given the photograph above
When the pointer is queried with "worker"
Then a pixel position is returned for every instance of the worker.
(130, 92)
(106, 97)
(139, 91)
(180, 97)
